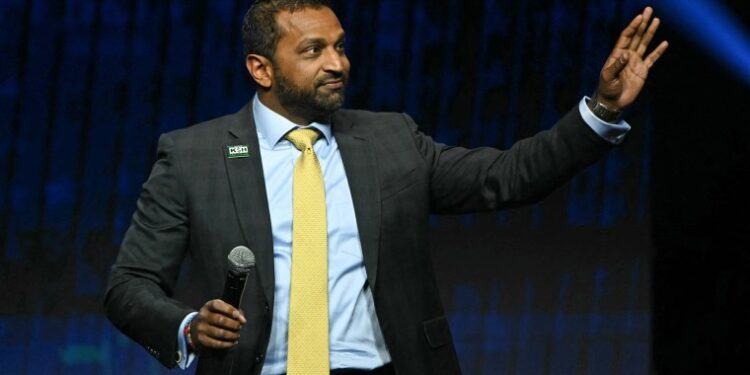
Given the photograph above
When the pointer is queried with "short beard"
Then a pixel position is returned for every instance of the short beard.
(310, 104)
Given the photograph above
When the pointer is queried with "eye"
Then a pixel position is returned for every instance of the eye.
(312, 50)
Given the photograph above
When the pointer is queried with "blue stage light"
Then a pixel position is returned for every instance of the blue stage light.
(710, 24)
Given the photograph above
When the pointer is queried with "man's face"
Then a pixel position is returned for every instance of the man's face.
(310, 68)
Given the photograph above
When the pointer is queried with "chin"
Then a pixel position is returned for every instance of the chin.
(331, 103)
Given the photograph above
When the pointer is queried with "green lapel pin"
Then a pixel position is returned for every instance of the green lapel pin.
(238, 151)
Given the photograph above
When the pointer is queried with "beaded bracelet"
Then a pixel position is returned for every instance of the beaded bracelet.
(186, 333)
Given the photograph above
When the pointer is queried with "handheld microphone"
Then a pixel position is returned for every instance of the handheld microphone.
(241, 261)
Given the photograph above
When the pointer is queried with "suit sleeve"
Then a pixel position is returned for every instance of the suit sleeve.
(469, 180)
(138, 297)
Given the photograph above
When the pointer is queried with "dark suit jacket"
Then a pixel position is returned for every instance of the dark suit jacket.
(199, 202)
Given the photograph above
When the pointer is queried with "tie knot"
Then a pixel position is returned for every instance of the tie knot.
(303, 138)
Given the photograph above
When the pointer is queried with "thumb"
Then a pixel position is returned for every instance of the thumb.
(611, 72)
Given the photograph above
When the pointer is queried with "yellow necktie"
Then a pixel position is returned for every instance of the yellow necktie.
(308, 300)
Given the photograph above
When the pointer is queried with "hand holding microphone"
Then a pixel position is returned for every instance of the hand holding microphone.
(217, 325)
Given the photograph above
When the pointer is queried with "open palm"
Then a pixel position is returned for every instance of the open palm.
(625, 72)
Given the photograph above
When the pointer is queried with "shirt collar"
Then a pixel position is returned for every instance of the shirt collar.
(273, 126)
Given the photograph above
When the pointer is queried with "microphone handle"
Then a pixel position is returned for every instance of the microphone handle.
(233, 288)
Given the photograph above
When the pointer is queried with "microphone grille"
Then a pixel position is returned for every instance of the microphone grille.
(241, 259)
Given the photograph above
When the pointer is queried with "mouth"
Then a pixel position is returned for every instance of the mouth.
(334, 84)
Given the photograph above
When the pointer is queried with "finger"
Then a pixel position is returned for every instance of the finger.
(221, 307)
(647, 13)
(656, 54)
(643, 46)
(627, 35)
(221, 334)
(212, 343)
(611, 72)
(223, 321)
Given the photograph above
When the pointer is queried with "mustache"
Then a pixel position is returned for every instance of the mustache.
(331, 77)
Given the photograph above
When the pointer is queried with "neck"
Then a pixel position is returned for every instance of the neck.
(296, 115)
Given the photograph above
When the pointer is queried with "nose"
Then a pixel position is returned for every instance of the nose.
(335, 61)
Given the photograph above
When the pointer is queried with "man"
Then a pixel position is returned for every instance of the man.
(370, 182)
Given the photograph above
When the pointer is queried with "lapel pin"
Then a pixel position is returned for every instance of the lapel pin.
(237, 151)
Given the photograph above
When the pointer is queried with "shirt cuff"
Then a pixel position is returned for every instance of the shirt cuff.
(184, 357)
(612, 133)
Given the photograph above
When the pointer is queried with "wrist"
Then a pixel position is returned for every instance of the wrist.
(188, 337)
(604, 111)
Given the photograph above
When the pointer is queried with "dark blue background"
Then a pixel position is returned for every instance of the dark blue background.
(87, 87)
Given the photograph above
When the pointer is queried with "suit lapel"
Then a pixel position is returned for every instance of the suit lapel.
(360, 166)
(249, 193)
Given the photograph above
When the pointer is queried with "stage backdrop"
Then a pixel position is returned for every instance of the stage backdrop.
(561, 287)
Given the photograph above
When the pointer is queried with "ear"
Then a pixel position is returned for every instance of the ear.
(260, 70)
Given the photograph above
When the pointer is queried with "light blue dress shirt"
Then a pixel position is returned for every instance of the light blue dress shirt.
(355, 337)
(356, 340)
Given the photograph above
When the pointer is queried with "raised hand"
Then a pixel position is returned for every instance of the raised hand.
(626, 69)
